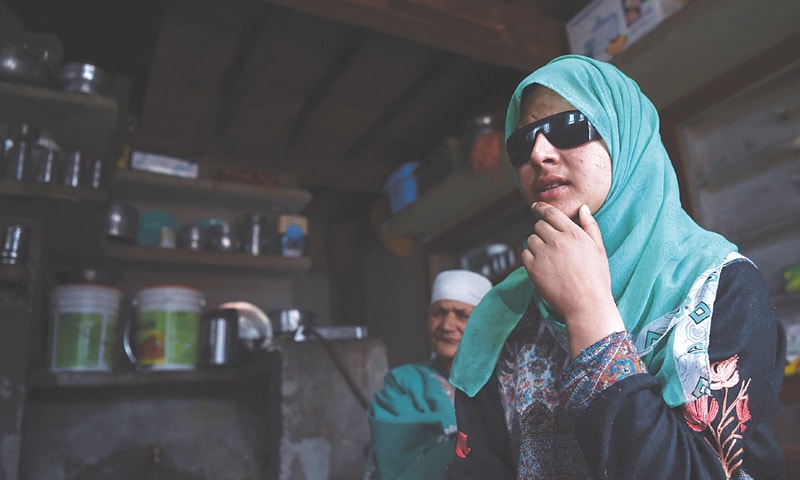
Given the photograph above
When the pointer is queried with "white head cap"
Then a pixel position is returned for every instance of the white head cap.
(460, 286)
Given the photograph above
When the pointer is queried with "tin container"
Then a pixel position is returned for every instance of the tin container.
(219, 337)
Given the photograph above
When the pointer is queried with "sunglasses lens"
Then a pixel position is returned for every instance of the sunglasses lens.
(571, 133)
(519, 148)
(563, 130)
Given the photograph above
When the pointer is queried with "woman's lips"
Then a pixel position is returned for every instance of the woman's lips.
(550, 189)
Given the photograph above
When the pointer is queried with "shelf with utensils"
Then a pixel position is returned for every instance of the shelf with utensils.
(77, 121)
(135, 185)
(131, 257)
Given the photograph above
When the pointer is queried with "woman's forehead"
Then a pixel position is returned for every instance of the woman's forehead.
(539, 103)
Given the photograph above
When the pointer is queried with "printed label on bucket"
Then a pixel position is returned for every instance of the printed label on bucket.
(81, 341)
(168, 339)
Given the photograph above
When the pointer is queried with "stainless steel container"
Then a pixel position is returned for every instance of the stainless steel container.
(15, 245)
(253, 233)
(18, 159)
(21, 64)
(122, 222)
(46, 155)
(84, 78)
(219, 337)
(223, 238)
(73, 173)
(289, 320)
(192, 237)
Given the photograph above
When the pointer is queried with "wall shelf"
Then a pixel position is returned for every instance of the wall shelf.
(150, 187)
(76, 120)
(43, 380)
(27, 190)
(134, 257)
(452, 201)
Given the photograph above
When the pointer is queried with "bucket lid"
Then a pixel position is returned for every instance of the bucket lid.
(86, 287)
(169, 296)
(85, 293)
(171, 289)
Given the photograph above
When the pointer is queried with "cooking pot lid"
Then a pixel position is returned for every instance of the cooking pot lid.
(255, 329)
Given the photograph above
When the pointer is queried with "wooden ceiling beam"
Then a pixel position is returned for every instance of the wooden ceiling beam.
(326, 82)
(508, 34)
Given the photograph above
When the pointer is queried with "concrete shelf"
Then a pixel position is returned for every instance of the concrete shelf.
(46, 380)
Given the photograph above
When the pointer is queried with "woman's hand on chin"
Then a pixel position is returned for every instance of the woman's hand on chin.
(567, 263)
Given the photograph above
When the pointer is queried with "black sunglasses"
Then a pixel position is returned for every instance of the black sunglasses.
(563, 130)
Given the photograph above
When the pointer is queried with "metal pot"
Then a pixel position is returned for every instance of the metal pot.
(21, 65)
(289, 320)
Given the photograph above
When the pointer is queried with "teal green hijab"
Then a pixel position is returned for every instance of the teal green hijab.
(655, 250)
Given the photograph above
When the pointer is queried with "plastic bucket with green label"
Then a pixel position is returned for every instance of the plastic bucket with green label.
(166, 329)
(82, 327)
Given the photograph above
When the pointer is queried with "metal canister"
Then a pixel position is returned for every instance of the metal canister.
(252, 233)
(74, 170)
(18, 159)
(46, 156)
(14, 245)
(219, 336)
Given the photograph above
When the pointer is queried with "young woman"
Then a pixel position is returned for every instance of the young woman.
(632, 343)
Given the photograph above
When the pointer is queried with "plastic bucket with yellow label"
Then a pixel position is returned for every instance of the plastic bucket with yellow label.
(166, 329)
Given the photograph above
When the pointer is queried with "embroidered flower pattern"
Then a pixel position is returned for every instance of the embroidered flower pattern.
(723, 424)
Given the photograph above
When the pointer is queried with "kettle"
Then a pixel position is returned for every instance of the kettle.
(219, 337)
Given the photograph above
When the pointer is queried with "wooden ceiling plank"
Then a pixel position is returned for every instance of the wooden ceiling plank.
(296, 50)
(367, 179)
(378, 79)
(442, 104)
(325, 83)
(405, 98)
(239, 73)
(195, 42)
(517, 36)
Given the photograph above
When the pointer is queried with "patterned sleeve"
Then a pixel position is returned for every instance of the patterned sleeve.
(627, 431)
(598, 367)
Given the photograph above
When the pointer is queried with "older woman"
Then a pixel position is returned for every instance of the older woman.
(632, 343)
(412, 419)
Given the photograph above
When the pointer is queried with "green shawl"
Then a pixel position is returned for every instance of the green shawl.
(411, 419)
(655, 250)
